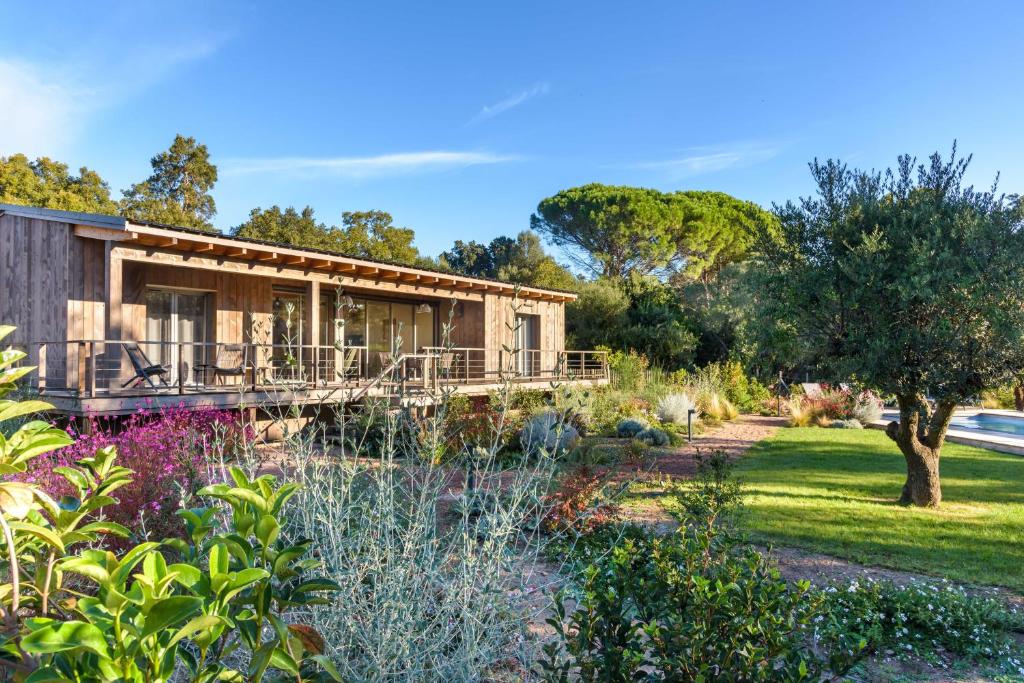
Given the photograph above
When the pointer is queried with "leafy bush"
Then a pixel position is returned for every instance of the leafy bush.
(630, 427)
(548, 431)
(675, 408)
(918, 619)
(654, 437)
(628, 368)
(846, 424)
(578, 503)
(685, 607)
(99, 616)
(168, 450)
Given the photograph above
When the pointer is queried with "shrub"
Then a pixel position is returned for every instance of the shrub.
(729, 411)
(919, 619)
(169, 451)
(654, 437)
(547, 431)
(715, 408)
(437, 579)
(72, 611)
(685, 606)
(675, 408)
(867, 408)
(846, 424)
(628, 369)
(578, 504)
(630, 427)
(637, 450)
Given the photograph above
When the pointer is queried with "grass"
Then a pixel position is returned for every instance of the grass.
(834, 491)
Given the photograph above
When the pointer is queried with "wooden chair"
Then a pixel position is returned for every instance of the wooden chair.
(448, 365)
(146, 371)
(230, 362)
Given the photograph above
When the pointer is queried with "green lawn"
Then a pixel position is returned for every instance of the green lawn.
(834, 491)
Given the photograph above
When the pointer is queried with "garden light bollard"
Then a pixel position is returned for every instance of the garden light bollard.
(689, 425)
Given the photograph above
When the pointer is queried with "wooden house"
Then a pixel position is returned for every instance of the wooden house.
(118, 313)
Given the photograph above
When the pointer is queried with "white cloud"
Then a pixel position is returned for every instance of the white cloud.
(502, 106)
(709, 159)
(47, 105)
(364, 167)
(40, 112)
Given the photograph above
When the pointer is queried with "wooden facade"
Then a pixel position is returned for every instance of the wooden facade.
(71, 279)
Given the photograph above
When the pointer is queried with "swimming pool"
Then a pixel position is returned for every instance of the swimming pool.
(1004, 424)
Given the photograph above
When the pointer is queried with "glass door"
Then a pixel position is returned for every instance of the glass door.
(176, 320)
(527, 345)
(378, 334)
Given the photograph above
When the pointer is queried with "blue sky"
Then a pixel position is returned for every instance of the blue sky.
(459, 117)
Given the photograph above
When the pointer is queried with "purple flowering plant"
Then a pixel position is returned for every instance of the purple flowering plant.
(166, 449)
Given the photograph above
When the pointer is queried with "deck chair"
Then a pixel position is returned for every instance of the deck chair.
(812, 389)
(448, 365)
(230, 362)
(146, 371)
(349, 363)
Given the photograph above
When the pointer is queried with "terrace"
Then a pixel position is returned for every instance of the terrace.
(82, 377)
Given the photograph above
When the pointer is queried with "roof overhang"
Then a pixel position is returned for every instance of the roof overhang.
(119, 229)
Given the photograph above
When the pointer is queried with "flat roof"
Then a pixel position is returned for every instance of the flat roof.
(182, 238)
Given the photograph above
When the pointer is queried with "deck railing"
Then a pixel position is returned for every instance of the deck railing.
(102, 367)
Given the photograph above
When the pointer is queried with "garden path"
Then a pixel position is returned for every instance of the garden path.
(680, 462)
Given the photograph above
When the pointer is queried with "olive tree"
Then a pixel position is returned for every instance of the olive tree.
(909, 282)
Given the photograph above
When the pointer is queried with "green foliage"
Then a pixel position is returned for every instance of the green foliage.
(594, 318)
(613, 230)
(640, 313)
(688, 606)
(628, 368)
(617, 231)
(630, 428)
(178, 190)
(113, 622)
(49, 184)
(654, 437)
(366, 234)
(909, 279)
(919, 619)
(521, 260)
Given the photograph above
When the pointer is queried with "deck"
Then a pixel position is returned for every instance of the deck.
(106, 377)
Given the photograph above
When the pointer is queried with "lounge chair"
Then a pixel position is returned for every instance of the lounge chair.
(146, 371)
(230, 362)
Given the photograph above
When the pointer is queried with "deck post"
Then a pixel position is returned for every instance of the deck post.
(41, 368)
(92, 369)
(182, 368)
(80, 380)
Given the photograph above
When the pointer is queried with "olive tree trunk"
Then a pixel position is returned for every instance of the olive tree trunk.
(920, 434)
(1018, 396)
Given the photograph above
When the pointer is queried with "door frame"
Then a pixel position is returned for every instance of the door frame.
(204, 338)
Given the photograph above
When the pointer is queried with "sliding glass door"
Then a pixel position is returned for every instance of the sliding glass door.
(383, 328)
(176, 319)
